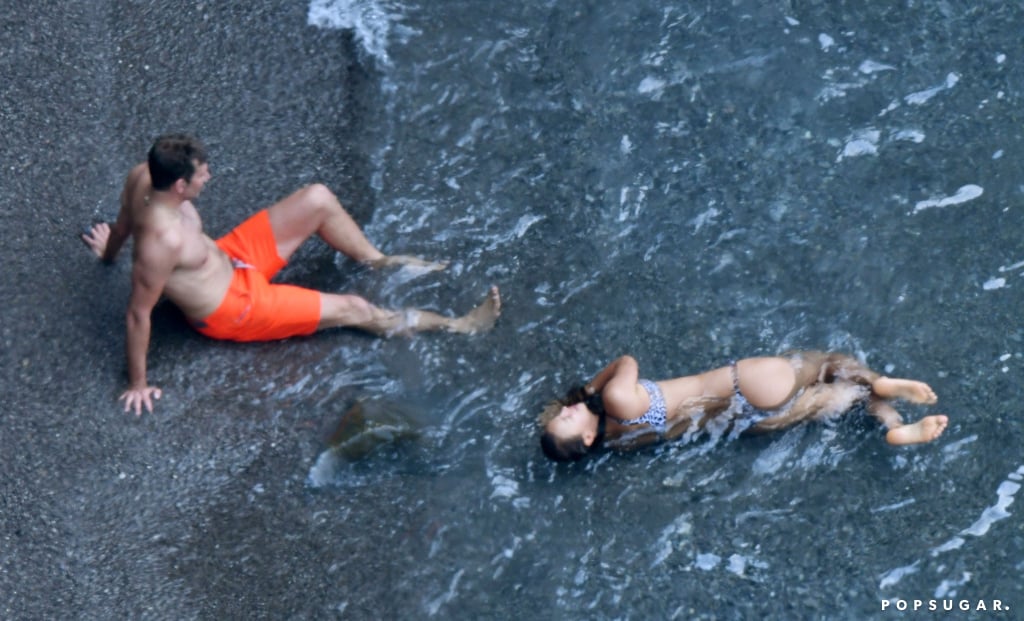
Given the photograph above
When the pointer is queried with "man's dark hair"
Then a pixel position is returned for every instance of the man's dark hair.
(173, 157)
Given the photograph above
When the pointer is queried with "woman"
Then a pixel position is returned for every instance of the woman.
(755, 394)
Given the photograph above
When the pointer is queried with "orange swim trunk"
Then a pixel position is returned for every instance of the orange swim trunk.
(253, 309)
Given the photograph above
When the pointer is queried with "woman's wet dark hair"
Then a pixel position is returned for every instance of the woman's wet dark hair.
(574, 449)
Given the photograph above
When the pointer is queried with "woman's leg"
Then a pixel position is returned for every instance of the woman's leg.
(816, 402)
(828, 367)
(839, 366)
(924, 430)
(833, 382)
(906, 389)
(766, 383)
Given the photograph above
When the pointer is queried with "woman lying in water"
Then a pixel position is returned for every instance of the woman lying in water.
(618, 410)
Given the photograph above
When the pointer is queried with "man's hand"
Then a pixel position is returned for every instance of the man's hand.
(138, 397)
(96, 238)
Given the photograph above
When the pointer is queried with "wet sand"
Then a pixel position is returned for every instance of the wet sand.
(103, 516)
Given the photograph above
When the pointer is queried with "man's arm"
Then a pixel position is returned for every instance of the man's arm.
(155, 260)
(106, 241)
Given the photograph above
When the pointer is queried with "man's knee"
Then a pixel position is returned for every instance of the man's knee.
(320, 195)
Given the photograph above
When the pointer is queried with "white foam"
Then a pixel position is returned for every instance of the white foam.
(680, 527)
(910, 135)
(956, 450)
(869, 66)
(892, 106)
(368, 19)
(773, 458)
(825, 41)
(945, 588)
(893, 576)
(504, 487)
(953, 544)
(862, 142)
(1007, 490)
(707, 561)
(966, 193)
(993, 283)
(859, 147)
(834, 91)
(707, 217)
(737, 564)
(453, 587)
(323, 471)
(651, 86)
(1007, 268)
(894, 506)
(921, 97)
(524, 223)
(625, 145)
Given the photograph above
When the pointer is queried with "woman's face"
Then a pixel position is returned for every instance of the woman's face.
(574, 421)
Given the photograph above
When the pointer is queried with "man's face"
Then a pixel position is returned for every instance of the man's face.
(199, 179)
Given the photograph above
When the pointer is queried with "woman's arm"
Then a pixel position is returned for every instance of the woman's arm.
(621, 394)
(603, 376)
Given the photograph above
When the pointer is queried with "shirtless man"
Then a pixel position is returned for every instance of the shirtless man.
(222, 286)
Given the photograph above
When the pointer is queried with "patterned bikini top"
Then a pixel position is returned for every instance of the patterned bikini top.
(656, 415)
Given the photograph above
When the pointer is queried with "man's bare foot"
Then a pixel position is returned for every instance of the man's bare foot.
(481, 318)
(404, 260)
(908, 390)
(924, 430)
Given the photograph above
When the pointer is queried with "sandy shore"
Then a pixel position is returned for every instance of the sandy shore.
(103, 516)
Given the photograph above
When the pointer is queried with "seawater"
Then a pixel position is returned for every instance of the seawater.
(688, 183)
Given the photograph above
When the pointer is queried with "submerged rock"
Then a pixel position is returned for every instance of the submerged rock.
(372, 422)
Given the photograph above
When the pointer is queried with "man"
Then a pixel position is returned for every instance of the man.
(222, 286)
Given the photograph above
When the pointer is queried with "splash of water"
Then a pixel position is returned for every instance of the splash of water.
(371, 22)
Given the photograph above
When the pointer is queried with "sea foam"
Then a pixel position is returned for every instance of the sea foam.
(370, 21)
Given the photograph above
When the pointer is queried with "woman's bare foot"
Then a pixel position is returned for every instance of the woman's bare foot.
(924, 430)
(908, 390)
(404, 260)
(481, 318)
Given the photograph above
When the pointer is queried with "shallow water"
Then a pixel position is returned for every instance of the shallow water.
(689, 184)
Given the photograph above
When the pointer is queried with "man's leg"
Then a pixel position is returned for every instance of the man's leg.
(352, 311)
(315, 209)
